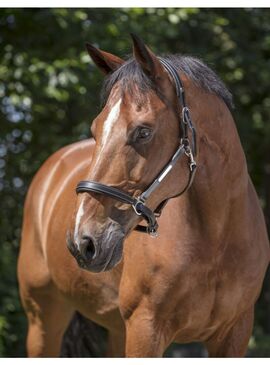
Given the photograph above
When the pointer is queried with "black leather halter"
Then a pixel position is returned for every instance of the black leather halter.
(186, 147)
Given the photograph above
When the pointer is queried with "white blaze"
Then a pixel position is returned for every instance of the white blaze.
(77, 224)
(107, 127)
(109, 122)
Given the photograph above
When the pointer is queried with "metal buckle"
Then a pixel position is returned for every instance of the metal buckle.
(187, 147)
(185, 142)
(189, 154)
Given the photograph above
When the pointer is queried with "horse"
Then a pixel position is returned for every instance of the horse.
(196, 281)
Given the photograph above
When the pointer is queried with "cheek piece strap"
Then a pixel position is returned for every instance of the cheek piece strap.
(187, 147)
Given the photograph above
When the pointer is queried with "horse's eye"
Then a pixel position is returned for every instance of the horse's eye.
(143, 134)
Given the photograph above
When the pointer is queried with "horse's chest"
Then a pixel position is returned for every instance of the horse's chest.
(206, 302)
(193, 302)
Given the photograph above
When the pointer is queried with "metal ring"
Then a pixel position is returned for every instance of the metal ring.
(135, 207)
(152, 232)
(185, 112)
(192, 166)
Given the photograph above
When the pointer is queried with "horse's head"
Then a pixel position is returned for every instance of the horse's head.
(136, 134)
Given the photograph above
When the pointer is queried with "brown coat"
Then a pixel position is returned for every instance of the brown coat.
(197, 281)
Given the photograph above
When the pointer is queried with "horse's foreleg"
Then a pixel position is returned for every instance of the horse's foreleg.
(235, 342)
(48, 316)
(144, 335)
(116, 344)
(47, 311)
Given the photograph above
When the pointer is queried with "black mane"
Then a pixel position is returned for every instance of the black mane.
(130, 74)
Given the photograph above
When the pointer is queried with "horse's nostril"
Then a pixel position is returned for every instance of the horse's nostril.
(87, 248)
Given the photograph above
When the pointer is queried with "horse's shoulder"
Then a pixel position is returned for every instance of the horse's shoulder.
(68, 155)
(71, 152)
(57, 168)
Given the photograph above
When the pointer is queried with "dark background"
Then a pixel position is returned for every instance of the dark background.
(49, 93)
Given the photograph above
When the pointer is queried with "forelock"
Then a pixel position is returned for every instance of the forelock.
(131, 78)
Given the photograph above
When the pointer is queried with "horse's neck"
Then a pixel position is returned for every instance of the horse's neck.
(219, 190)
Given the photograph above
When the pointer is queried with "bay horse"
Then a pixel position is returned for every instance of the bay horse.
(199, 279)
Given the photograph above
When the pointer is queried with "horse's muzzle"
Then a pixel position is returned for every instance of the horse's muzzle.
(97, 256)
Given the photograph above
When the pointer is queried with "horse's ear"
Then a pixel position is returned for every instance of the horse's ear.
(105, 61)
(146, 58)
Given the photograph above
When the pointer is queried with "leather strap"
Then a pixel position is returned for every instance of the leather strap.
(185, 148)
(138, 206)
(177, 81)
(179, 153)
(96, 187)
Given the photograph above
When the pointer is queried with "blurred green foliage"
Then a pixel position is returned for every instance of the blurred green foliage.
(49, 93)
